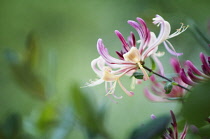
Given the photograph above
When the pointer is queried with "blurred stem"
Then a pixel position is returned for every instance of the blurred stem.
(165, 78)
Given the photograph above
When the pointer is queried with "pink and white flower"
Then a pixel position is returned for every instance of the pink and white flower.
(110, 77)
(193, 74)
(157, 92)
(131, 58)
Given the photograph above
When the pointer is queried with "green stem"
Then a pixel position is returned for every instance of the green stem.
(165, 78)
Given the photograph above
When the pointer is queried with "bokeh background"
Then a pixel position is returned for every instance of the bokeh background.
(46, 48)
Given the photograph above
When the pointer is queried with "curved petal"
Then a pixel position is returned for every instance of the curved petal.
(175, 64)
(172, 52)
(132, 39)
(193, 77)
(190, 65)
(94, 83)
(203, 60)
(153, 97)
(97, 66)
(152, 40)
(105, 54)
(122, 39)
(185, 79)
(160, 65)
(143, 32)
(165, 29)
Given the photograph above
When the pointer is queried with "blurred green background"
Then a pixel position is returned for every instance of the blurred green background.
(61, 37)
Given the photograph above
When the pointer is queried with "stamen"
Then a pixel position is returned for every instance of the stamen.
(179, 31)
(146, 77)
(124, 89)
(111, 89)
(133, 83)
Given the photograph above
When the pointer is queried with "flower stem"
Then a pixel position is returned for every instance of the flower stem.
(165, 78)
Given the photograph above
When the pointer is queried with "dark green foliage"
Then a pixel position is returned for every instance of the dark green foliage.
(23, 70)
(196, 107)
(87, 114)
(138, 75)
(152, 129)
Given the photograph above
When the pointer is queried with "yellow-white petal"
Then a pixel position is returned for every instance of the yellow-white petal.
(132, 55)
(108, 76)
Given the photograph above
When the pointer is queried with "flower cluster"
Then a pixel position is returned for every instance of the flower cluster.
(132, 57)
(159, 93)
(187, 79)
(172, 133)
(193, 74)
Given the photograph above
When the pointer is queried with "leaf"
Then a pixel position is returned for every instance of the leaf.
(12, 127)
(32, 53)
(151, 129)
(168, 87)
(204, 131)
(25, 76)
(153, 64)
(48, 118)
(199, 35)
(138, 75)
(196, 107)
(29, 81)
(87, 113)
(65, 124)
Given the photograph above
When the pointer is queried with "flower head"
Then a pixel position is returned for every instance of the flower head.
(132, 57)
(110, 77)
(193, 74)
(172, 133)
(158, 92)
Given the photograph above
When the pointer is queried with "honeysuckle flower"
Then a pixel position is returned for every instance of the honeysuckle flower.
(158, 92)
(193, 74)
(172, 133)
(132, 57)
(110, 77)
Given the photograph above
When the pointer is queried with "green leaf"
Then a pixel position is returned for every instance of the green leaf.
(87, 113)
(204, 131)
(25, 76)
(168, 87)
(48, 118)
(65, 124)
(153, 64)
(196, 107)
(29, 81)
(151, 129)
(199, 35)
(12, 127)
(32, 52)
(138, 75)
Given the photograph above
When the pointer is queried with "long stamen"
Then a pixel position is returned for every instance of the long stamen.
(129, 93)
(179, 31)
(146, 77)
(111, 89)
(133, 83)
